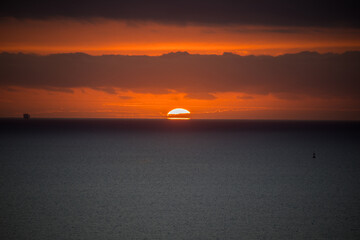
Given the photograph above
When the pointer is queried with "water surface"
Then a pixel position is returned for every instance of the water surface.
(162, 179)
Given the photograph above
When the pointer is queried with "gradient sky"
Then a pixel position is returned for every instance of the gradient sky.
(218, 59)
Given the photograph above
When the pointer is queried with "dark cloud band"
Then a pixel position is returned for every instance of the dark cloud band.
(306, 73)
(261, 12)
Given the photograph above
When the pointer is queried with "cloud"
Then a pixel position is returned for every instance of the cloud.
(124, 97)
(302, 74)
(58, 89)
(200, 96)
(246, 97)
(261, 12)
(288, 96)
(109, 90)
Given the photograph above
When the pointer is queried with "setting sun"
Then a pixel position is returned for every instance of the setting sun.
(179, 113)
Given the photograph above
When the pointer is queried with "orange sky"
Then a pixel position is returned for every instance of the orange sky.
(99, 36)
(232, 105)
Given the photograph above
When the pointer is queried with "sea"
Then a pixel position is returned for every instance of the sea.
(179, 179)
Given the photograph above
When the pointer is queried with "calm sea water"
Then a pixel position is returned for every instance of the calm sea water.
(162, 179)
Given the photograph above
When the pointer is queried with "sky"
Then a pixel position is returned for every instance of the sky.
(261, 59)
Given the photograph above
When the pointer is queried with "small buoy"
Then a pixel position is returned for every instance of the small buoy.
(314, 155)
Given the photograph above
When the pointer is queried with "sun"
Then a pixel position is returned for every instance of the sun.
(179, 113)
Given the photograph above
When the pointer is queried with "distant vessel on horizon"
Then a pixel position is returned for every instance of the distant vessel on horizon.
(26, 116)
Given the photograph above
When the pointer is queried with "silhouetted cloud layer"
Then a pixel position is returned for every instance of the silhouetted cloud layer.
(260, 12)
(287, 76)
